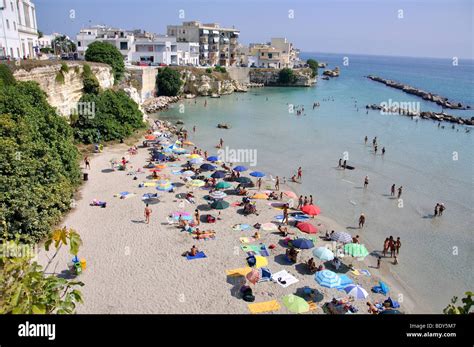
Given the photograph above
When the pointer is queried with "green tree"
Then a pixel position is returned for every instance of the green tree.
(39, 164)
(27, 289)
(168, 82)
(90, 82)
(313, 65)
(286, 76)
(116, 117)
(103, 52)
(6, 75)
(465, 309)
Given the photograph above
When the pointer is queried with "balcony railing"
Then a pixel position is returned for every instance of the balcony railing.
(26, 29)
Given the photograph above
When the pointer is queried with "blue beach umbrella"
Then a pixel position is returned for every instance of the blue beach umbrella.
(327, 278)
(302, 243)
(218, 174)
(257, 174)
(240, 168)
(212, 158)
(207, 167)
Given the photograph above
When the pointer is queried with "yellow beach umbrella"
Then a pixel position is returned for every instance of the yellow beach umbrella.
(196, 183)
(260, 196)
(194, 156)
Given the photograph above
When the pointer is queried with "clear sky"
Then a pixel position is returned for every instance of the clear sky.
(429, 28)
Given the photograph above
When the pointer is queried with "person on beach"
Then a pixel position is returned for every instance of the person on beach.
(398, 244)
(285, 214)
(259, 183)
(340, 162)
(385, 246)
(441, 209)
(310, 199)
(344, 165)
(392, 190)
(293, 179)
(383, 150)
(391, 246)
(300, 173)
(361, 221)
(192, 252)
(194, 129)
(436, 211)
(305, 202)
(197, 217)
(374, 141)
(365, 139)
(221, 142)
(356, 239)
(379, 260)
(395, 260)
(300, 202)
(147, 214)
(277, 183)
(366, 181)
(87, 163)
(399, 192)
(371, 308)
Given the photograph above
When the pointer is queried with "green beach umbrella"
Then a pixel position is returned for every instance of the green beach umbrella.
(295, 303)
(219, 204)
(223, 185)
(356, 250)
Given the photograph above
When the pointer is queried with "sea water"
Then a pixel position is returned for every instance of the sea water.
(433, 164)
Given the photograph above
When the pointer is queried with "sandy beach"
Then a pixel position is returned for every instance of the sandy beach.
(134, 267)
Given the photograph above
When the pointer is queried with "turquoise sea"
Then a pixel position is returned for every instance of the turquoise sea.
(431, 163)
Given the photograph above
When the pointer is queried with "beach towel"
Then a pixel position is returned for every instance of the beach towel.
(262, 307)
(284, 279)
(239, 227)
(312, 305)
(243, 271)
(247, 239)
(198, 255)
(260, 249)
(235, 204)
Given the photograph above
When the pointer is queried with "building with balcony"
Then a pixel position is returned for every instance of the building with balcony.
(155, 50)
(217, 45)
(279, 53)
(18, 29)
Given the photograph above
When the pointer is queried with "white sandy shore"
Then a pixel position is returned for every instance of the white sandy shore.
(133, 267)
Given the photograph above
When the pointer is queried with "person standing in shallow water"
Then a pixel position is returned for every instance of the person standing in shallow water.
(399, 192)
(392, 190)
(383, 150)
(277, 184)
(365, 139)
(300, 173)
(366, 181)
(361, 221)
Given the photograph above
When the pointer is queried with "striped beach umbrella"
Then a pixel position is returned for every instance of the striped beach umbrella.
(356, 250)
(356, 291)
(327, 278)
(341, 236)
(218, 194)
(295, 304)
(312, 210)
(164, 185)
(240, 168)
(323, 253)
(257, 174)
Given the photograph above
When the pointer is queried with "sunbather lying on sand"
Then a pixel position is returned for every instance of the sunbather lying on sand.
(192, 252)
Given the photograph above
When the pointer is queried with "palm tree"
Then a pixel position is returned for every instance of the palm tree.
(62, 44)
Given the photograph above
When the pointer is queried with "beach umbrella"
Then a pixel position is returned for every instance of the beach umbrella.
(223, 185)
(179, 150)
(243, 180)
(194, 156)
(219, 204)
(302, 243)
(164, 185)
(177, 142)
(295, 303)
(268, 227)
(384, 287)
(323, 253)
(184, 215)
(167, 150)
(196, 183)
(207, 167)
(327, 278)
(213, 158)
(218, 194)
(311, 210)
(290, 194)
(260, 196)
(257, 174)
(188, 173)
(150, 137)
(240, 168)
(307, 228)
(160, 166)
(218, 174)
(253, 276)
(356, 250)
(196, 161)
(188, 143)
(356, 291)
(341, 236)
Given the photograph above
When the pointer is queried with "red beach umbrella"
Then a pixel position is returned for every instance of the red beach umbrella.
(311, 210)
(307, 228)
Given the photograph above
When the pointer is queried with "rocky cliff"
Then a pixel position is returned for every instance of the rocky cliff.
(269, 77)
(64, 92)
(201, 83)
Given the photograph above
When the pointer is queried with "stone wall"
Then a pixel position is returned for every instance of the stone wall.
(64, 95)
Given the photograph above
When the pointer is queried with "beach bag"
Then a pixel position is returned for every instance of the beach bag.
(249, 298)
(251, 261)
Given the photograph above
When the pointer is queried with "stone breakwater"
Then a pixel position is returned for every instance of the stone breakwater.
(159, 103)
(440, 117)
(440, 100)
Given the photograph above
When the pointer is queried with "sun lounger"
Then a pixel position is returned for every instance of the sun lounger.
(199, 255)
(262, 307)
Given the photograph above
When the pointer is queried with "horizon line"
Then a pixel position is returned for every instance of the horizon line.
(385, 55)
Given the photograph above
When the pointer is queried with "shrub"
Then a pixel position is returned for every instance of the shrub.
(116, 117)
(286, 76)
(6, 75)
(313, 65)
(102, 52)
(220, 69)
(39, 167)
(168, 82)
(208, 70)
(64, 68)
(90, 82)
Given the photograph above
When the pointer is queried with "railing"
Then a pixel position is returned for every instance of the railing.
(26, 29)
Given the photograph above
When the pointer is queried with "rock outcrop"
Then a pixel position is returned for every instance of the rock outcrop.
(159, 103)
(198, 82)
(64, 93)
(270, 77)
(440, 100)
(332, 73)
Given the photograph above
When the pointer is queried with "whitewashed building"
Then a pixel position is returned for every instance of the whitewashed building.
(156, 50)
(18, 29)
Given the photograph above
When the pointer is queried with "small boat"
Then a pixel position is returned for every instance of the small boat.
(180, 122)
(215, 96)
(223, 126)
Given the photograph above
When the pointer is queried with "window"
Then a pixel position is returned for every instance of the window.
(78, 43)
(123, 46)
(11, 6)
(8, 24)
(14, 26)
